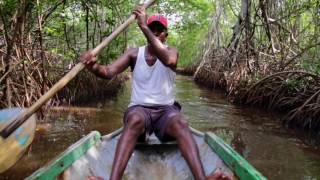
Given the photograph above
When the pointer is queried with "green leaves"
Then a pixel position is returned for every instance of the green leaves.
(189, 22)
(311, 65)
(50, 31)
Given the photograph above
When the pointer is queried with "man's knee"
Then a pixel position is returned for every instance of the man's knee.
(135, 121)
(178, 125)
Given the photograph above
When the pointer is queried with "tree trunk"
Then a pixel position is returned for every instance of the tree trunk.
(237, 31)
(17, 29)
(87, 25)
(44, 75)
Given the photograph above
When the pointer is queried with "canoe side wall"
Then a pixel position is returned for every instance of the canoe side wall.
(236, 162)
(163, 161)
(65, 159)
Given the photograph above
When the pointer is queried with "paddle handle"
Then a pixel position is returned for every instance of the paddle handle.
(68, 77)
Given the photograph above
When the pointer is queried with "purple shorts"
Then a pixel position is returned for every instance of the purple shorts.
(156, 119)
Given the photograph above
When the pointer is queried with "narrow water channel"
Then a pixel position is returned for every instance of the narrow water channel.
(257, 135)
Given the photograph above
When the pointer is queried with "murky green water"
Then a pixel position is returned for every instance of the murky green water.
(255, 134)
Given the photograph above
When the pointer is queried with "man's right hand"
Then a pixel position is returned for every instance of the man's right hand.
(88, 58)
(141, 16)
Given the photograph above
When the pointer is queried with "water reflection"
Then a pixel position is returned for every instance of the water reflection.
(255, 134)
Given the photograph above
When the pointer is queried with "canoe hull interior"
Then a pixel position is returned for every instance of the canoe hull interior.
(151, 160)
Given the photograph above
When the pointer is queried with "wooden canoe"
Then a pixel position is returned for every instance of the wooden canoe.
(93, 155)
(14, 146)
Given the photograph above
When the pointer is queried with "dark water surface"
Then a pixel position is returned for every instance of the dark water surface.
(255, 134)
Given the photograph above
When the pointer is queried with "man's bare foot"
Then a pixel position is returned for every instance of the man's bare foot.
(94, 178)
(218, 175)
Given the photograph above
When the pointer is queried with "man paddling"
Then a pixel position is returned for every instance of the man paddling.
(152, 108)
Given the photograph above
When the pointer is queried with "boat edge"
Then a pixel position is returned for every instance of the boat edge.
(240, 166)
(67, 158)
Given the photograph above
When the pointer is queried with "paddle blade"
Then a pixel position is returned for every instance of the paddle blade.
(13, 147)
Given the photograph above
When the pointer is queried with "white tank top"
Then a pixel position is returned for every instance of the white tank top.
(151, 85)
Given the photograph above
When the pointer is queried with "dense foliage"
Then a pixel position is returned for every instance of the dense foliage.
(267, 53)
(238, 45)
(41, 40)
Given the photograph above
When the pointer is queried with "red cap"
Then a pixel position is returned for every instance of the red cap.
(158, 18)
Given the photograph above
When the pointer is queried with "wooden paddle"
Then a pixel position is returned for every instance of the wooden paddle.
(18, 127)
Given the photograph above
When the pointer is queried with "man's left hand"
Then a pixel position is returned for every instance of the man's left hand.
(141, 16)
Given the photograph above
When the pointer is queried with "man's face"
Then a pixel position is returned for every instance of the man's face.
(159, 31)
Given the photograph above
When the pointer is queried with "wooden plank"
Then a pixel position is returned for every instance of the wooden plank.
(65, 159)
(242, 168)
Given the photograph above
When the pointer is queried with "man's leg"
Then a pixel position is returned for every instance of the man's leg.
(134, 128)
(178, 128)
